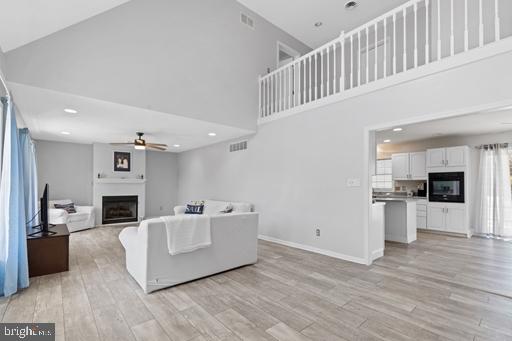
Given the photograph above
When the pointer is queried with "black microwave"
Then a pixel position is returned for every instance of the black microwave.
(446, 187)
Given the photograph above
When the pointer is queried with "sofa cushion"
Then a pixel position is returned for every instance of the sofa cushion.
(241, 207)
(70, 208)
(214, 207)
(196, 207)
(80, 216)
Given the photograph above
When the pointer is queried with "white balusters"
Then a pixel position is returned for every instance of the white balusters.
(405, 39)
(334, 68)
(439, 30)
(416, 34)
(351, 71)
(385, 47)
(481, 23)
(311, 77)
(452, 29)
(342, 65)
(395, 45)
(328, 71)
(427, 32)
(497, 30)
(367, 55)
(316, 74)
(376, 50)
(358, 58)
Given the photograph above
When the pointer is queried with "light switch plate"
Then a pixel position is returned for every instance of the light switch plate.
(354, 182)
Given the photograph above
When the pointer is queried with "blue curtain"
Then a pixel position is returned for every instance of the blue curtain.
(13, 242)
(29, 167)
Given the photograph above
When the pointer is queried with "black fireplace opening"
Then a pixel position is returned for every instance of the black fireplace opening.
(119, 209)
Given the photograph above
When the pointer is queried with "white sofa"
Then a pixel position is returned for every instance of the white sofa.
(81, 220)
(234, 243)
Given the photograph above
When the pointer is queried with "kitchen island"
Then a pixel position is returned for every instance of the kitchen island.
(400, 219)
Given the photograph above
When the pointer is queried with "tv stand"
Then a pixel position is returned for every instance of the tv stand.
(41, 232)
(48, 253)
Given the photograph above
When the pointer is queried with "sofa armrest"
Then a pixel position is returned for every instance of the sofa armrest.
(179, 210)
(57, 216)
(84, 209)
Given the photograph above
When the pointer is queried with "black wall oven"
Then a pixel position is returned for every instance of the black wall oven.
(446, 187)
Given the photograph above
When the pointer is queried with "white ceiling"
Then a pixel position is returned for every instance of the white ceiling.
(474, 124)
(298, 17)
(23, 21)
(98, 121)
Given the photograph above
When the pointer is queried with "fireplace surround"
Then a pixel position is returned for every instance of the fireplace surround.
(119, 209)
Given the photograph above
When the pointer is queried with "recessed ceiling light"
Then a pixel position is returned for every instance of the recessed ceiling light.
(212, 134)
(71, 111)
(387, 141)
(318, 24)
(176, 145)
(398, 129)
(350, 5)
(65, 133)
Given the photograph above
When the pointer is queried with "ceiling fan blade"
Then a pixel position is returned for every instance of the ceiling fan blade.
(155, 147)
(156, 144)
(120, 143)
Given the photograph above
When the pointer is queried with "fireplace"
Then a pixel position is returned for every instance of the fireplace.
(119, 209)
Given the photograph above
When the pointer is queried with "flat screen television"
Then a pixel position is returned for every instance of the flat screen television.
(43, 229)
(43, 216)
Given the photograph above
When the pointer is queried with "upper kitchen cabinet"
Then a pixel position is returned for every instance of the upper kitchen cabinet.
(447, 157)
(409, 166)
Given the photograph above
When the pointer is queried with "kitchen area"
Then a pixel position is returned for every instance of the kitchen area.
(422, 189)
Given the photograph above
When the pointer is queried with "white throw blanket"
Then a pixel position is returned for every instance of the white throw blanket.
(187, 233)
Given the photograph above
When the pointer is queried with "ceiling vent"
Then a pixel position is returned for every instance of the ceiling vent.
(236, 147)
(246, 20)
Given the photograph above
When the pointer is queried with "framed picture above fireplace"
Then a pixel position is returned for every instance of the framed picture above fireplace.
(122, 161)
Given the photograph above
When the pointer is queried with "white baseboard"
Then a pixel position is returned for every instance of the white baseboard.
(314, 249)
(377, 254)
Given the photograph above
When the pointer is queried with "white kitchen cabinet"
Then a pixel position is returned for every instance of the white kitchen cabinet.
(400, 164)
(456, 219)
(409, 166)
(417, 166)
(448, 218)
(436, 157)
(456, 156)
(436, 218)
(421, 214)
(447, 157)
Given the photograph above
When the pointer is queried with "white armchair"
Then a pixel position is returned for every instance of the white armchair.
(81, 220)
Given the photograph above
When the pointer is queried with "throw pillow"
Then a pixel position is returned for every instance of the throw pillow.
(195, 207)
(70, 208)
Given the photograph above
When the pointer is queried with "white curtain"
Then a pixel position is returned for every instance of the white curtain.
(494, 199)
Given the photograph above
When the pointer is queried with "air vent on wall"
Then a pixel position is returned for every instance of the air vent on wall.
(235, 147)
(246, 20)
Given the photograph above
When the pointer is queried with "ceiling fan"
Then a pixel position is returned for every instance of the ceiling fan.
(141, 144)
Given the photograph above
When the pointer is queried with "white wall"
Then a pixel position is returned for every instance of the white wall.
(3, 69)
(295, 169)
(104, 161)
(192, 58)
(161, 184)
(67, 168)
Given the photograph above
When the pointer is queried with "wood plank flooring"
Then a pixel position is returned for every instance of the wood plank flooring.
(438, 288)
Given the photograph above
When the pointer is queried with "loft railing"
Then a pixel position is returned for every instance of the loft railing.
(418, 33)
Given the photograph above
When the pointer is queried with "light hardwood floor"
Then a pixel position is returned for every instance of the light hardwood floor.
(439, 288)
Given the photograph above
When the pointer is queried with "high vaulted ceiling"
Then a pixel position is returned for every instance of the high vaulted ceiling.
(298, 17)
(23, 21)
(97, 121)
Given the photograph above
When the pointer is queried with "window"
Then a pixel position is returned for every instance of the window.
(383, 179)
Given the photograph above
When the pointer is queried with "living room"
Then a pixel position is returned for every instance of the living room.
(134, 116)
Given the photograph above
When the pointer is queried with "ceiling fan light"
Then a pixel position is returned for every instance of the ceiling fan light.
(139, 147)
